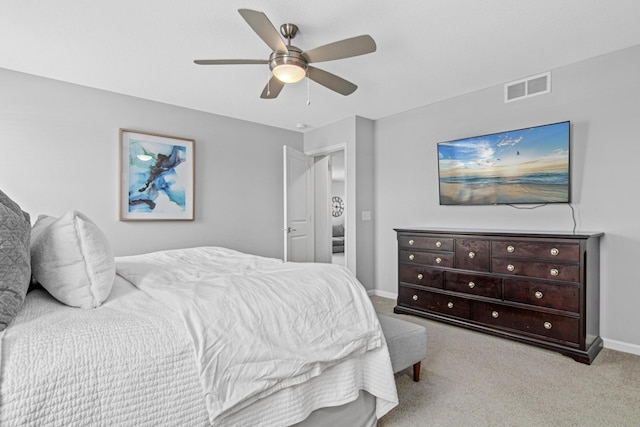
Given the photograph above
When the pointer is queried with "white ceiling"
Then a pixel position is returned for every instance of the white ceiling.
(427, 50)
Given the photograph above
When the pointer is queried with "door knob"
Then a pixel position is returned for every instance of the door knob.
(289, 229)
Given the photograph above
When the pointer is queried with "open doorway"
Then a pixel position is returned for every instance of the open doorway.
(338, 208)
(330, 223)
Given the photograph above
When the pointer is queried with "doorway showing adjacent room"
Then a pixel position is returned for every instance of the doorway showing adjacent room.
(338, 208)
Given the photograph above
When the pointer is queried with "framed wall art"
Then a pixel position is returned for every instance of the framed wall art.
(157, 177)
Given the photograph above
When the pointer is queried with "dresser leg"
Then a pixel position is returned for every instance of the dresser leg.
(416, 372)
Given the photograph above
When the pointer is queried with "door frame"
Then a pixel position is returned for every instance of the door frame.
(325, 151)
(322, 224)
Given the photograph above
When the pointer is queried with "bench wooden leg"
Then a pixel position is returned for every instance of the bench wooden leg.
(416, 372)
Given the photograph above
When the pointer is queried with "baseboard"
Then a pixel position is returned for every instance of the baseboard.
(621, 346)
(384, 294)
(607, 343)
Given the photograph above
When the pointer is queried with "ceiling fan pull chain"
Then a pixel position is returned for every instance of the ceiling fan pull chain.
(308, 91)
(268, 81)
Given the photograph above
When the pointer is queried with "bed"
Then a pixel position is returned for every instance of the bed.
(196, 336)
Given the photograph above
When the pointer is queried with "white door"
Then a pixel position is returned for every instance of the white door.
(298, 206)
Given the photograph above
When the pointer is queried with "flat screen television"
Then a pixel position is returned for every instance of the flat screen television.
(523, 166)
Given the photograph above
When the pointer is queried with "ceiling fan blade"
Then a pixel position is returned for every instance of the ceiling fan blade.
(331, 81)
(346, 48)
(272, 89)
(259, 22)
(230, 61)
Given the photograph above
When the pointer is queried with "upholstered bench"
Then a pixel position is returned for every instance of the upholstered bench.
(407, 343)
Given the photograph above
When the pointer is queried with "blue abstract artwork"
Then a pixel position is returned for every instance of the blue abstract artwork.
(158, 177)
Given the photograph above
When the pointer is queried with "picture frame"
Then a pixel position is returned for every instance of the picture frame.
(157, 177)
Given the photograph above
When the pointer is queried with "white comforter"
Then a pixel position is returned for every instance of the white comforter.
(125, 363)
(263, 328)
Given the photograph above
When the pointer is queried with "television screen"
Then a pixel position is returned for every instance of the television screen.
(524, 166)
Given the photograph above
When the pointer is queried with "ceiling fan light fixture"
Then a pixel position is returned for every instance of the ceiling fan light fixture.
(289, 73)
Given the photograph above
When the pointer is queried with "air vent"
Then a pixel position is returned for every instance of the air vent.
(526, 88)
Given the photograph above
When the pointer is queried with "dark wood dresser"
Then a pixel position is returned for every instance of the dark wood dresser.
(534, 287)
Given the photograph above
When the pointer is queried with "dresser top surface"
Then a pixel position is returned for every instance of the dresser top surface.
(505, 233)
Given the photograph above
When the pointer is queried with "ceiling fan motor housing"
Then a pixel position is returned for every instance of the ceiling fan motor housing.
(293, 57)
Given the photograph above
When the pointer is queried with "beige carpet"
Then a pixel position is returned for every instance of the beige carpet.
(473, 379)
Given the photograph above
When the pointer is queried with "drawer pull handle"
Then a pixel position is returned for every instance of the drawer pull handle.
(511, 267)
(538, 294)
(494, 314)
(415, 297)
(420, 276)
(472, 254)
(554, 272)
(438, 244)
(472, 285)
(450, 304)
(547, 325)
(438, 260)
(411, 257)
(554, 251)
(510, 249)
(411, 242)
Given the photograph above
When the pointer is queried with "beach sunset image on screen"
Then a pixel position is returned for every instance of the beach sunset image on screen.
(521, 166)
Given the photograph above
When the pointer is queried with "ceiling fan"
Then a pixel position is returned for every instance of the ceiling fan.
(289, 64)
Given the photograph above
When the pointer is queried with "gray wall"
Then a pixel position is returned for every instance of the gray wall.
(601, 97)
(59, 145)
(364, 154)
(356, 135)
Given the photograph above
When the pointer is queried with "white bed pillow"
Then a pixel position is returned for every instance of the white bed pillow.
(72, 259)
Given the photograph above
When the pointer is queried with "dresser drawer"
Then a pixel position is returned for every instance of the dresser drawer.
(532, 322)
(560, 297)
(438, 259)
(543, 249)
(473, 254)
(474, 284)
(426, 242)
(438, 303)
(419, 275)
(544, 270)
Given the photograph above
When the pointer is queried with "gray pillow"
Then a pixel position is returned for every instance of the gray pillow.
(15, 258)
